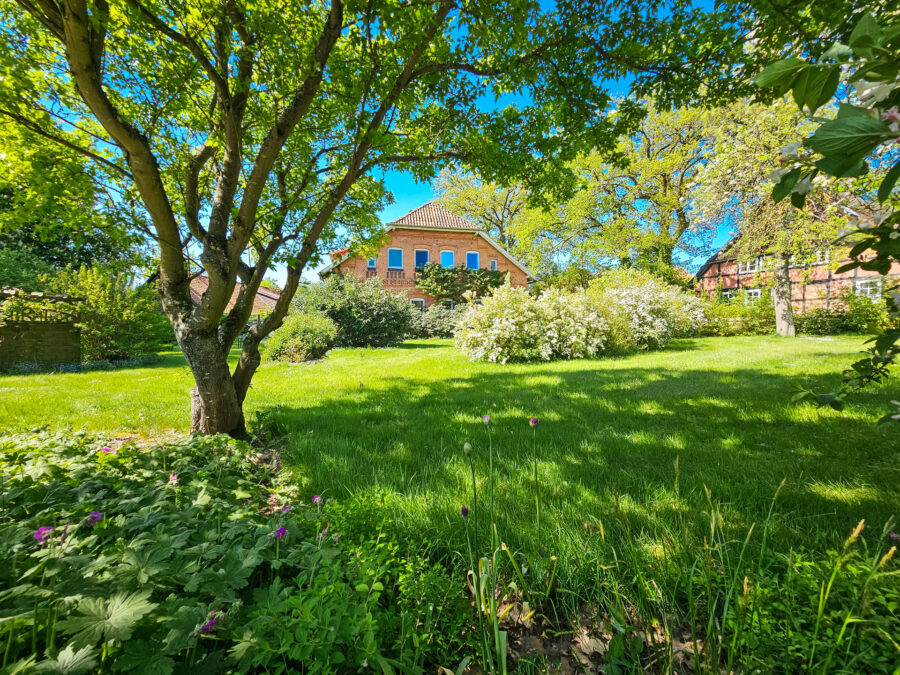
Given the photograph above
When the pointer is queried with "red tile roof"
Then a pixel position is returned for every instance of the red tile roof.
(432, 214)
(263, 303)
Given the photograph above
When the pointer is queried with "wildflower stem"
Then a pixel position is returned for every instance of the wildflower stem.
(474, 503)
(476, 592)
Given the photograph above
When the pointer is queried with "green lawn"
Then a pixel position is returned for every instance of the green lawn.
(626, 450)
(387, 426)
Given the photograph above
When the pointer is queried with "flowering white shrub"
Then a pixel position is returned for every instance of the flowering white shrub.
(643, 311)
(511, 325)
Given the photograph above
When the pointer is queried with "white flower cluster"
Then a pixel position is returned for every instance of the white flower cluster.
(512, 325)
(626, 312)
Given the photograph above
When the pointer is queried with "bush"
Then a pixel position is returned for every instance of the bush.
(195, 556)
(22, 269)
(642, 310)
(438, 321)
(739, 316)
(366, 315)
(116, 321)
(302, 337)
(511, 325)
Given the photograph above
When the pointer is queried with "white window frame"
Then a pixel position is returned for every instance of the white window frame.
(867, 283)
(749, 266)
(477, 260)
(752, 295)
(448, 303)
(418, 301)
(823, 257)
(453, 256)
(728, 294)
(427, 257)
(493, 264)
(394, 267)
(370, 264)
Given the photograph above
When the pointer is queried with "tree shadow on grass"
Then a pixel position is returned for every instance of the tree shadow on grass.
(607, 443)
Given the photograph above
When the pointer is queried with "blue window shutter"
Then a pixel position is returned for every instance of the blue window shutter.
(421, 258)
(472, 260)
(447, 259)
(395, 258)
(371, 263)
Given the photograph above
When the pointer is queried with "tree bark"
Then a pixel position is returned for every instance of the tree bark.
(784, 308)
(215, 407)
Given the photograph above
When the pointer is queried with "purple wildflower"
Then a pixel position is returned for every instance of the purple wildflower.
(95, 517)
(321, 535)
(173, 478)
(280, 533)
(42, 533)
(285, 508)
(316, 499)
(894, 536)
(533, 422)
(108, 450)
(209, 625)
(486, 419)
(464, 511)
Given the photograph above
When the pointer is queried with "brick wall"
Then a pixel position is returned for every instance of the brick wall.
(434, 241)
(813, 286)
(45, 343)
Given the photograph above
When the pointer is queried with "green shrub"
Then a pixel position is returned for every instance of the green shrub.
(196, 556)
(438, 321)
(302, 337)
(22, 269)
(642, 310)
(739, 316)
(366, 315)
(117, 321)
(452, 283)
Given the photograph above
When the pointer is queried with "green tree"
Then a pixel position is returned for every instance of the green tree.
(860, 50)
(495, 209)
(263, 127)
(732, 190)
(633, 206)
(452, 283)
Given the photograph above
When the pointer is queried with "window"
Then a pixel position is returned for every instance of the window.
(447, 259)
(421, 258)
(748, 267)
(395, 258)
(473, 261)
(751, 295)
(728, 294)
(418, 302)
(446, 302)
(822, 257)
(493, 264)
(869, 288)
(371, 263)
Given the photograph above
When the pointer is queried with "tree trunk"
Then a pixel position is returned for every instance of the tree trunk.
(784, 308)
(215, 407)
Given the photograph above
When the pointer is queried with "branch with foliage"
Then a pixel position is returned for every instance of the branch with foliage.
(862, 137)
(451, 283)
(242, 129)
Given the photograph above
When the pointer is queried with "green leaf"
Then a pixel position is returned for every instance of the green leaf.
(838, 51)
(848, 110)
(69, 661)
(849, 136)
(842, 167)
(111, 619)
(786, 184)
(887, 185)
(780, 74)
(815, 87)
(798, 201)
(867, 33)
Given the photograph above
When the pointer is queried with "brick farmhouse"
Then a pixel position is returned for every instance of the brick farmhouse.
(429, 233)
(814, 284)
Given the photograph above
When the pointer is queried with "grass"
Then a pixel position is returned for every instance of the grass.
(642, 450)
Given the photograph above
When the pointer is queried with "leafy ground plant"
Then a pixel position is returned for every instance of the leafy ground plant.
(195, 555)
